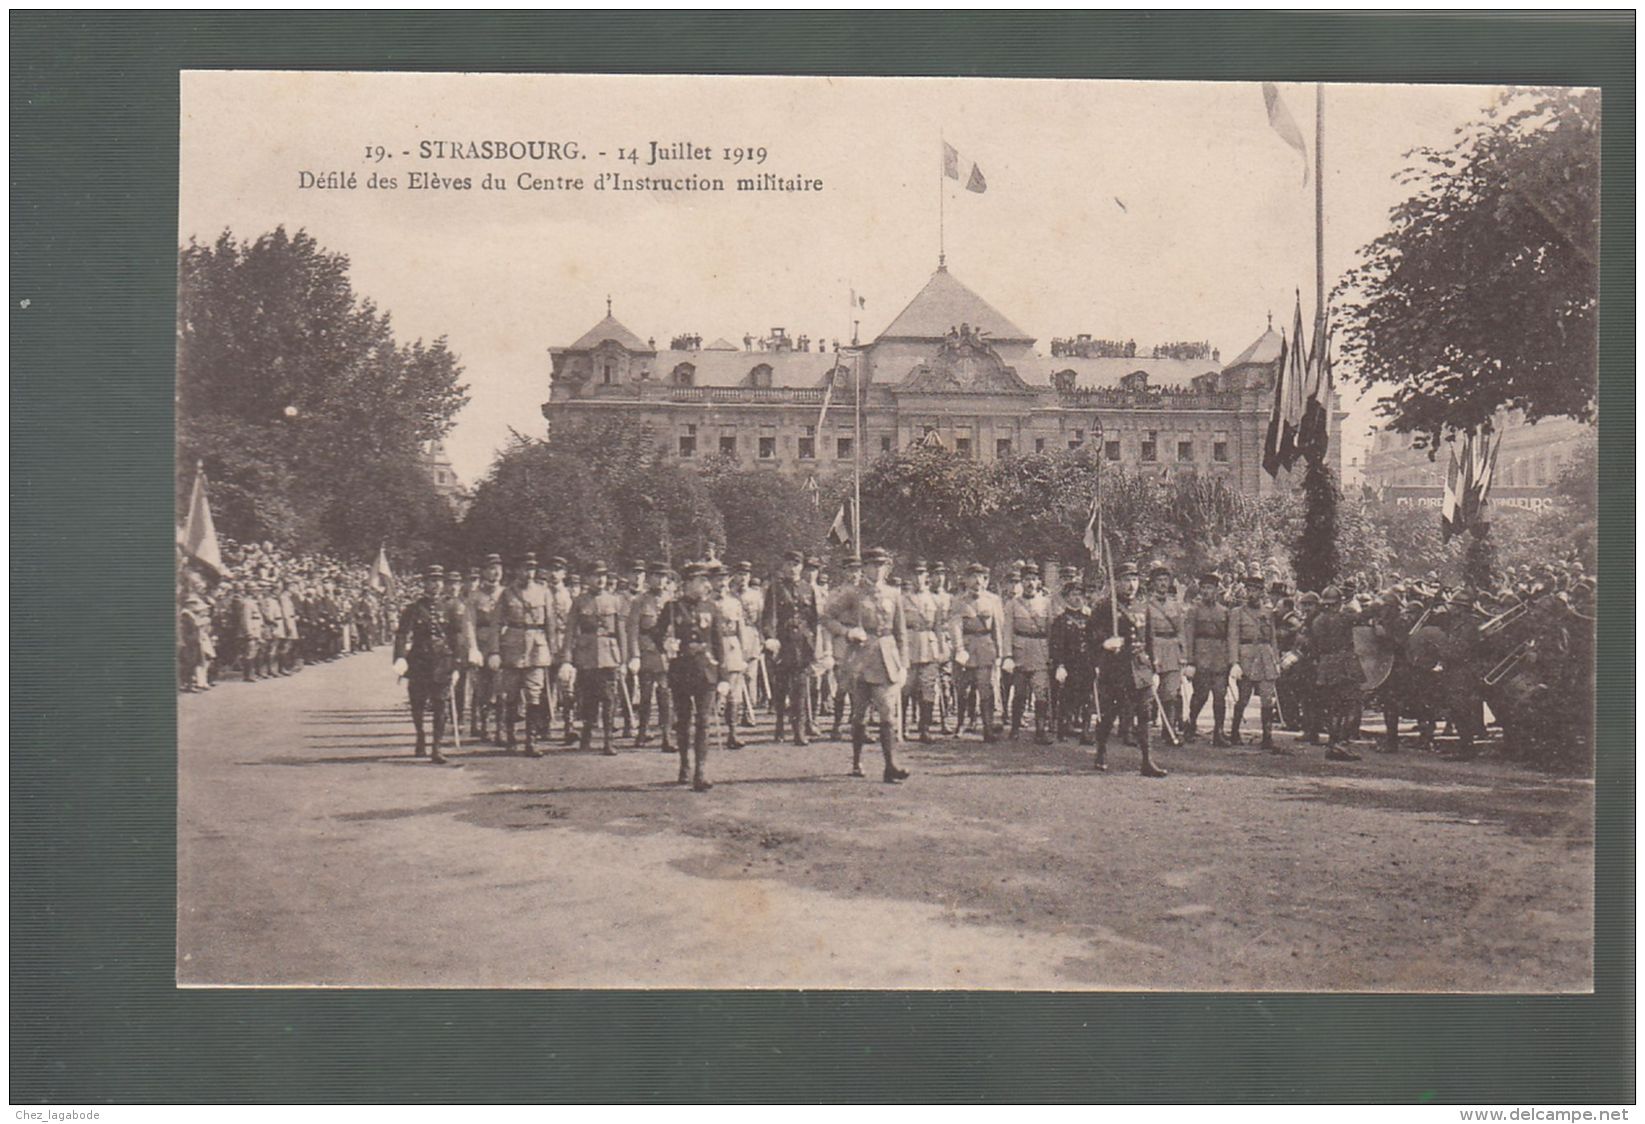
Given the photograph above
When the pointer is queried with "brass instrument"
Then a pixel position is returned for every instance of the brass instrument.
(1506, 665)
(1493, 625)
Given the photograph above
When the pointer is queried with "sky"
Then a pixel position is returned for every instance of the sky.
(1135, 210)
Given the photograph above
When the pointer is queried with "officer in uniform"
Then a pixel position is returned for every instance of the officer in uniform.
(1205, 626)
(290, 650)
(923, 618)
(627, 593)
(733, 661)
(1167, 634)
(1304, 669)
(432, 638)
(274, 631)
(688, 635)
(484, 607)
(1027, 640)
(529, 644)
(646, 661)
(557, 589)
(753, 604)
(790, 628)
(1255, 659)
(598, 644)
(457, 599)
(839, 657)
(1338, 675)
(945, 651)
(977, 629)
(1075, 670)
(868, 619)
(249, 620)
(1125, 669)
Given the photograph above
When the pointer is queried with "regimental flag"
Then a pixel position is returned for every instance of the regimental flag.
(1280, 447)
(382, 575)
(1314, 433)
(839, 533)
(976, 183)
(828, 397)
(1468, 483)
(950, 161)
(1279, 116)
(1093, 530)
(812, 491)
(199, 540)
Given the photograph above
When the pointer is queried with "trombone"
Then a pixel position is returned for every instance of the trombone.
(1506, 665)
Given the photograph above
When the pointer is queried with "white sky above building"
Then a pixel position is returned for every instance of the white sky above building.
(1151, 211)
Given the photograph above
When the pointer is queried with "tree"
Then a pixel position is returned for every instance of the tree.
(764, 513)
(539, 498)
(1484, 293)
(299, 397)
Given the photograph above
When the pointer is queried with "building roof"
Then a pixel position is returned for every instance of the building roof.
(715, 367)
(944, 304)
(1106, 373)
(722, 344)
(1266, 349)
(609, 329)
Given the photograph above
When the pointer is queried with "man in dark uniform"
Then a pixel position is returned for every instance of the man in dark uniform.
(1074, 671)
(1125, 669)
(432, 638)
(1338, 674)
(1206, 628)
(688, 634)
(790, 629)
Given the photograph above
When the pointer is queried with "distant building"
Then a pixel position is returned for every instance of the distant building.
(437, 465)
(950, 368)
(1530, 461)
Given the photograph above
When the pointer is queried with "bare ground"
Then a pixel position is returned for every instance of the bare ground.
(313, 849)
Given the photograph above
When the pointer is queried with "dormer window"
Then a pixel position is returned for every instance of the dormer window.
(1063, 381)
(760, 376)
(685, 374)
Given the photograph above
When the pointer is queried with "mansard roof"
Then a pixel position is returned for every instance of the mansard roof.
(946, 303)
(610, 329)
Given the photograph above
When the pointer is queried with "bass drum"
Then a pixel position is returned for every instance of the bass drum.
(1376, 660)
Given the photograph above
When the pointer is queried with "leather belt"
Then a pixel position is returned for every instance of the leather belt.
(1026, 635)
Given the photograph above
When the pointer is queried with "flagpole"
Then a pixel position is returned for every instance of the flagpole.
(1319, 200)
(856, 448)
(942, 200)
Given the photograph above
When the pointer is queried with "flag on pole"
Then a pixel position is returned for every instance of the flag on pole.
(812, 491)
(1314, 431)
(1280, 447)
(382, 576)
(839, 533)
(1279, 116)
(976, 183)
(1468, 483)
(199, 532)
(1093, 529)
(950, 161)
(828, 397)
(858, 301)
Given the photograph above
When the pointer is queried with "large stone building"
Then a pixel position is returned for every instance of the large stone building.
(949, 365)
(1528, 464)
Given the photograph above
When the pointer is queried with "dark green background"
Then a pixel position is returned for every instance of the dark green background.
(94, 1014)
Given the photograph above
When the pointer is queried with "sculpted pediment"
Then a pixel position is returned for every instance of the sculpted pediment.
(965, 363)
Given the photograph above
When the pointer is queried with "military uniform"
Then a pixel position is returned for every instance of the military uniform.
(433, 636)
(790, 619)
(1251, 646)
(1168, 635)
(1028, 644)
(644, 614)
(688, 633)
(1072, 654)
(1206, 630)
(1337, 676)
(1125, 672)
(485, 609)
(869, 620)
(598, 644)
(977, 627)
(529, 643)
(249, 620)
(922, 615)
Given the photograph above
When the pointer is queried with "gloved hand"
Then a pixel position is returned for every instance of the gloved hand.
(400, 667)
(1062, 674)
(567, 675)
(1113, 643)
(1154, 682)
(827, 664)
(962, 657)
(494, 661)
(773, 646)
(856, 636)
(1236, 672)
(671, 647)
(634, 666)
(474, 658)
(1188, 672)
(722, 688)
(1008, 665)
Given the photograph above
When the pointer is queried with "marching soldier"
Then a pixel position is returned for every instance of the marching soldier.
(839, 656)
(978, 631)
(868, 618)
(945, 650)
(457, 597)
(598, 643)
(790, 627)
(688, 635)
(561, 595)
(274, 631)
(1125, 669)
(924, 621)
(1254, 659)
(645, 657)
(1206, 627)
(290, 649)
(1338, 676)
(733, 660)
(1076, 670)
(249, 621)
(628, 593)
(484, 606)
(432, 638)
(1166, 634)
(1027, 632)
(529, 644)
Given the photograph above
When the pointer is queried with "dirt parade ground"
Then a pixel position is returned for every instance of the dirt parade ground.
(313, 849)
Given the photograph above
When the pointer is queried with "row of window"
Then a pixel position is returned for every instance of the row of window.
(844, 447)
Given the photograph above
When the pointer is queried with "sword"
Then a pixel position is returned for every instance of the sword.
(628, 699)
(456, 734)
(1164, 721)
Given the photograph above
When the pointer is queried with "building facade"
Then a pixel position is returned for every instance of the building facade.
(949, 368)
(1529, 462)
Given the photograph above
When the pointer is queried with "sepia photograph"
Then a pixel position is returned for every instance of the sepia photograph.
(642, 531)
